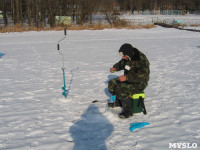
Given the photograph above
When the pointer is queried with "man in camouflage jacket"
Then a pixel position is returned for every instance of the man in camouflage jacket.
(135, 79)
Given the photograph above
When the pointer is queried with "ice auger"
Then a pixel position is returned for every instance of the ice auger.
(65, 92)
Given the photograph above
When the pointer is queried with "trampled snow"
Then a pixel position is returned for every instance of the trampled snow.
(35, 116)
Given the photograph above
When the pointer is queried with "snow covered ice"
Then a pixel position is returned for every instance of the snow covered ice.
(35, 116)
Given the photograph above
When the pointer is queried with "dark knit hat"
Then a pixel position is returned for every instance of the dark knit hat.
(130, 51)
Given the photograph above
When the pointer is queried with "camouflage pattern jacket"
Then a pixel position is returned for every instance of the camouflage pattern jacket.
(136, 72)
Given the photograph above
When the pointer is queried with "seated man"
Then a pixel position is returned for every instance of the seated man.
(135, 78)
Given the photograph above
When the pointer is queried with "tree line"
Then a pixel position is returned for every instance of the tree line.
(159, 4)
(39, 13)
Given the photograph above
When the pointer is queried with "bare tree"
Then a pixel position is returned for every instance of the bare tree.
(109, 10)
(52, 7)
(28, 11)
(4, 10)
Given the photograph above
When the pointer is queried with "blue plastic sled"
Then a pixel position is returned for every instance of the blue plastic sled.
(137, 125)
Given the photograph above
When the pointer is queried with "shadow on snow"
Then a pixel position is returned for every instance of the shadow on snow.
(91, 132)
(71, 80)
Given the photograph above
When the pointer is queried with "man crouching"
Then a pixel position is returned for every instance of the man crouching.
(135, 79)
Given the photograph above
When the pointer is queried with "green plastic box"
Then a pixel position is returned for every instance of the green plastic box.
(137, 105)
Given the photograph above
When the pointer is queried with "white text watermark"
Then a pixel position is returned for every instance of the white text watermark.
(183, 145)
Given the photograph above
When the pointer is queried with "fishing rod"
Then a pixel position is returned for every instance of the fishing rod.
(65, 92)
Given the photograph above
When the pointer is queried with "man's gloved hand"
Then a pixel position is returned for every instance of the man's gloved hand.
(112, 70)
(122, 78)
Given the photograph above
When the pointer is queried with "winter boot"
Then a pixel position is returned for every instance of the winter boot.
(127, 108)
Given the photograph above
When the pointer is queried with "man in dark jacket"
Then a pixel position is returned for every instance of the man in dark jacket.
(135, 79)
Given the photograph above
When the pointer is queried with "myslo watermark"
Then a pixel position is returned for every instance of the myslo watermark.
(183, 145)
